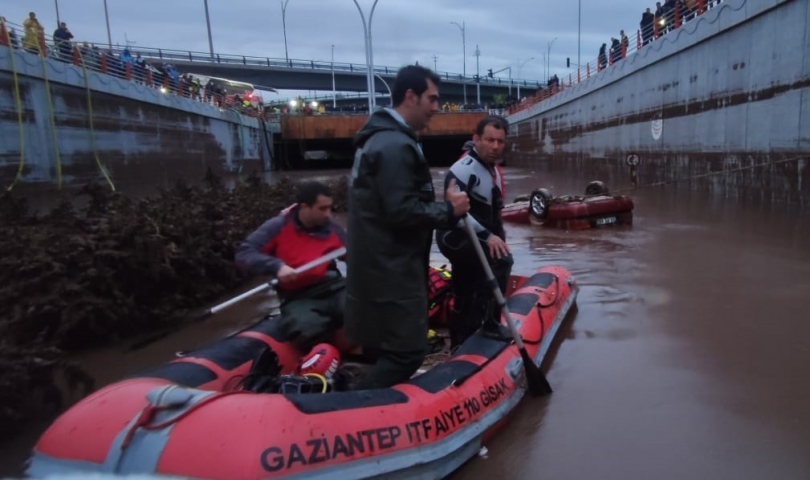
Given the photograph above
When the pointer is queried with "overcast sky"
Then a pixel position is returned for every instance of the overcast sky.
(508, 32)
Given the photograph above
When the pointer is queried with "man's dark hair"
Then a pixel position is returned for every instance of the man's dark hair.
(414, 78)
(307, 192)
(497, 122)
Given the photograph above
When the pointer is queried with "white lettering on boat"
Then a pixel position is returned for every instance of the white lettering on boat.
(368, 442)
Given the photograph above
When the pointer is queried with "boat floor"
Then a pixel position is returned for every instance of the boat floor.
(440, 352)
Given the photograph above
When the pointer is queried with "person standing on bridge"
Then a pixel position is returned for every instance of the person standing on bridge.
(478, 175)
(311, 303)
(392, 214)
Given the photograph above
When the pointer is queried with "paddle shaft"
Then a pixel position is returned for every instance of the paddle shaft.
(493, 283)
(537, 382)
(303, 268)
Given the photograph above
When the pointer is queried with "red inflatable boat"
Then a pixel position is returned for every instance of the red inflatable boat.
(190, 418)
(597, 208)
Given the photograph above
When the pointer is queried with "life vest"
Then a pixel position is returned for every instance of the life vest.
(440, 298)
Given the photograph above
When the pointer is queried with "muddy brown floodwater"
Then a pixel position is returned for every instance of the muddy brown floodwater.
(689, 357)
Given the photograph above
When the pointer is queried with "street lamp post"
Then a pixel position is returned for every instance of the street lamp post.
(390, 95)
(579, 33)
(548, 58)
(369, 54)
(284, 27)
(510, 77)
(107, 16)
(334, 91)
(208, 22)
(544, 66)
(477, 77)
(520, 70)
(463, 29)
(510, 82)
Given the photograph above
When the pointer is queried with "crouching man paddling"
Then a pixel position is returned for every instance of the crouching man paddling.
(312, 303)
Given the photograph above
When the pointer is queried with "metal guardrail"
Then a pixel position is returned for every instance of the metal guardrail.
(229, 59)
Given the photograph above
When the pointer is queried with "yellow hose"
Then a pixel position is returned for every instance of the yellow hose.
(92, 128)
(52, 120)
(319, 377)
(18, 102)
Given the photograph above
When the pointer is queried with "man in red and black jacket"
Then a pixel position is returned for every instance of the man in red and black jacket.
(312, 303)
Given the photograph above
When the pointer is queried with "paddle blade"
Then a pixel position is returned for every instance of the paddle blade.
(535, 379)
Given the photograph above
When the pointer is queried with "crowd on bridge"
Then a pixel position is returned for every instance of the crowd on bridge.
(122, 64)
(669, 15)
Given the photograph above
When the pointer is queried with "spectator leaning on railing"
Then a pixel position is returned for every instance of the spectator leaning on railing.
(34, 37)
(62, 41)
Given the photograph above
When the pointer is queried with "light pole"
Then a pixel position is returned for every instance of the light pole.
(510, 77)
(284, 26)
(58, 22)
(544, 67)
(434, 62)
(369, 53)
(463, 29)
(548, 58)
(390, 95)
(208, 22)
(334, 92)
(477, 77)
(579, 33)
(520, 70)
(107, 16)
(510, 81)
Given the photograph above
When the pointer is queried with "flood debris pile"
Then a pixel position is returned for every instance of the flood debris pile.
(76, 278)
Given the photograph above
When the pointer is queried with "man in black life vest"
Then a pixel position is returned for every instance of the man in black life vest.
(312, 303)
(476, 173)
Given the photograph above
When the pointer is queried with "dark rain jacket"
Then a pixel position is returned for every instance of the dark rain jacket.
(392, 215)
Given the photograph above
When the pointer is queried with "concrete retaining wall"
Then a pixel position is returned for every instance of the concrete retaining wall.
(140, 136)
(728, 91)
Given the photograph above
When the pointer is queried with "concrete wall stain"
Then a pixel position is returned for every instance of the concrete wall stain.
(143, 137)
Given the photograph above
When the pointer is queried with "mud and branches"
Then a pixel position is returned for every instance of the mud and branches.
(76, 278)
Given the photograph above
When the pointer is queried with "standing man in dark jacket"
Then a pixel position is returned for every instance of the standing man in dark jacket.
(392, 214)
(476, 173)
(312, 303)
(62, 41)
(646, 24)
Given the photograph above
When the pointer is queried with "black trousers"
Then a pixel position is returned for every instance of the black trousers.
(314, 315)
(390, 368)
(474, 302)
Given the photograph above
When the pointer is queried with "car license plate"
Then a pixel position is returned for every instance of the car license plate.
(605, 221)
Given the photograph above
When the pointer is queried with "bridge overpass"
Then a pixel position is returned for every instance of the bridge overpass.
(325, 141)
(292, 74)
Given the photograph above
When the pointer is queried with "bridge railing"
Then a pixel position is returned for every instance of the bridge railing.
(168, 55)
(662, 23)
(121, 66)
